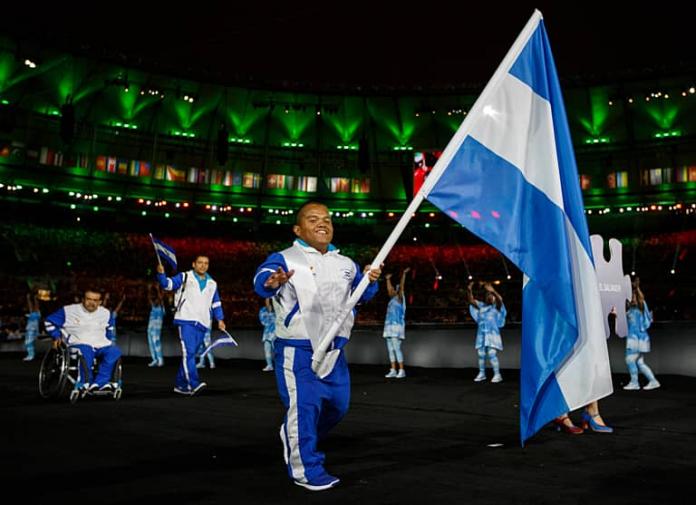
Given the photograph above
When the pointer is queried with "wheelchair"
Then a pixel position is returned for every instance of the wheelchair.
(61, 375)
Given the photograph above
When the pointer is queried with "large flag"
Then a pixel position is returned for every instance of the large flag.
(509, 176)
(164, 251)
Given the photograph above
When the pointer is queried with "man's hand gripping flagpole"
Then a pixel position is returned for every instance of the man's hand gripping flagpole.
(435, 174)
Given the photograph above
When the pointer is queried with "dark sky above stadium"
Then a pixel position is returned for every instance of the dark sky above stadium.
(428, 45)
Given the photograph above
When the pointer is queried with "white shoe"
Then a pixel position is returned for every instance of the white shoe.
(632, 386)
(391, 374)
(480, 377)
(325, 482)
(212, 365)
(152, 363)
(401, 374)
(653, 384)
(497, 378)
(200, 365)
(267, 368)
(160, 363)
(28, 358)
(182, 391)
(199, 388)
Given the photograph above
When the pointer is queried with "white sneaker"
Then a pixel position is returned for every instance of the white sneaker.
(152, 363)
(28, 358)
(401, 374)
(653, 384)
(391, 374)
(480, 377)
(267, 368)
(212, 365)
(325, 482)
(497, 378)
(200, 365)
(632, 386)
(182, 391)
(199, 388)
(160, 363)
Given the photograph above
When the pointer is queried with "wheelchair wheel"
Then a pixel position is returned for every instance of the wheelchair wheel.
(74, 395)
(116, 381)
(53, 372)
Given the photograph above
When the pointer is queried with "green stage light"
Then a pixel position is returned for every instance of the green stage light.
(597, 140)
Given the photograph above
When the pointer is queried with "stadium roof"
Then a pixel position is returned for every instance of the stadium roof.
(358, 46)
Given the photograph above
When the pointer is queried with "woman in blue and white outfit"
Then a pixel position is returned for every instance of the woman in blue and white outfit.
(32, 329)
(267, 318)
(639, 319)
(154, 326)
(490, 317)
(395, 325)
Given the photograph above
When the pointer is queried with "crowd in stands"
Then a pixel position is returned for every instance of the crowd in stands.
(63, 261)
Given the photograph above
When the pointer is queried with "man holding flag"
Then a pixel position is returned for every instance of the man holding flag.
(509, 176)
(196, 298)
(310, 283)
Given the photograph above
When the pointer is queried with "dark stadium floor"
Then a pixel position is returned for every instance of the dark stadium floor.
(422, 440)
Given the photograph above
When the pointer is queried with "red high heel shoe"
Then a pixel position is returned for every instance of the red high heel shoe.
(570, 430)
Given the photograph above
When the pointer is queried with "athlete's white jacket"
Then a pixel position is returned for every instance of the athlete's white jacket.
(309, 302)
(193, 306)
(81, 326)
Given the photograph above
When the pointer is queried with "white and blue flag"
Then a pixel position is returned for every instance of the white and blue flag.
(226, 340)
(509, 176)
(164, 251)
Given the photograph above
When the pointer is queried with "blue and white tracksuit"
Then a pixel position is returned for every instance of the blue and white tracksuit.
(488, 340)
(306, 306)
(194, 300)
(154, 332)
(395, 328)
(638, 341)
(31, 332)
(92, 334)
(267, 318)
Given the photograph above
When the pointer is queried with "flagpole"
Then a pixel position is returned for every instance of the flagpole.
(433, 177)
(156, 253)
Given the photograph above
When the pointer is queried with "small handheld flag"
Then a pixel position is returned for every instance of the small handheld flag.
(226, 340)
(164, 252)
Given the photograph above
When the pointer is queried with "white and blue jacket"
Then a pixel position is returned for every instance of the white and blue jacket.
(194, 299)
(307, 305)
(95, 329)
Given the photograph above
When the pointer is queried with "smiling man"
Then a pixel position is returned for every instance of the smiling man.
(310, 282)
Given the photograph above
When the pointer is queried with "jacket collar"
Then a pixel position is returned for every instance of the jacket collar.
(308, 248)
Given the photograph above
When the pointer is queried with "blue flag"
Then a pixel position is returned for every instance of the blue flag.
(509, 176)
(165, 252)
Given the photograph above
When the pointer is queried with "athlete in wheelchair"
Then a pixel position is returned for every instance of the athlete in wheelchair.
(81, 335)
